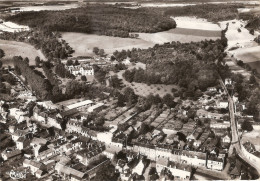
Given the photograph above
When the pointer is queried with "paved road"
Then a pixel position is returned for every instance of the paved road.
(235, 144)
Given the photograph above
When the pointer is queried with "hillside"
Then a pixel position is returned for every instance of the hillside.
(97, 19)
(211, 12)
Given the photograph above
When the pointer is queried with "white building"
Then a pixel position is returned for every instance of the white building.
(222, 104)
(96, 107)
(81, 70)
(80, 105)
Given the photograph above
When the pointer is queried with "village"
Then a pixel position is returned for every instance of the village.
(77, 138)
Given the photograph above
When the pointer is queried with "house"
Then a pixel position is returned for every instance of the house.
(140, 167)
(81, 70)
(22, 143)
(6, 155)
(228, 81)
(12, 129)
(34, 166)
(161, 163)
(179, 170)
(38, 141)
(205, 114)
(111, 151)
(46, 154)
(89, 154)
(70, 173)
(212, 89)
(222, 104)
(226, 138)
(39, 173)
(18, 133)
(215, 162)
(80, 105)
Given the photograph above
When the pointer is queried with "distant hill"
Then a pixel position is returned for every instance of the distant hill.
(97, 19)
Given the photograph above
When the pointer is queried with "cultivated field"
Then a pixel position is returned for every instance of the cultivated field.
(14, 48)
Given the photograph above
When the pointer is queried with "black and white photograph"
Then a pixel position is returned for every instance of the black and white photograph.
(129, 90)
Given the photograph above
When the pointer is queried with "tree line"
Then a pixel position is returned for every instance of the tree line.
(211, 12)
(38, 84)
(47, 41)
(97, 19)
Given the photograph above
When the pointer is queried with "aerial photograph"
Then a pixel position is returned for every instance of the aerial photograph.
(129, 90)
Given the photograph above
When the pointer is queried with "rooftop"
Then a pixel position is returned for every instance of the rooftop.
(79, 104)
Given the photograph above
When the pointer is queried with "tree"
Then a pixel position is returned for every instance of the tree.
(1, 63)
(27, 60)
(10, 79)
(96, 50)
(100, 76)
(69, 62)
(252, 79)
(76, 62)
(115, 82)
(168, 100)
(101, 52)
(2, 53)
(84, 78)
(107, 173)
(246, 126)
(37, 61)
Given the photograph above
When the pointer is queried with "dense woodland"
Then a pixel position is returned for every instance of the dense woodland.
(49, 43)
(104, 20)
(211, 12)
(193, 66)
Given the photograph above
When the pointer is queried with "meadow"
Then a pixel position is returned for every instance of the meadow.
(14, 48)
(188, 29)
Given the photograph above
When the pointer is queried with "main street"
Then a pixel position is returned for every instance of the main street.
(235, 144)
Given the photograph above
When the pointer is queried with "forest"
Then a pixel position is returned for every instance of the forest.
(211, 12)
(192, 66)
(106, 20)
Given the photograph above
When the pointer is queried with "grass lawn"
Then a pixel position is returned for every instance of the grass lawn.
(144, 89)
(14, 48)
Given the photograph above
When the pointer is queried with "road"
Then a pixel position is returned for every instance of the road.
(235, 143)
(19, 80)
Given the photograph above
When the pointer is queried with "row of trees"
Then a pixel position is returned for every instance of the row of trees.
(99, 19)
(39, 85)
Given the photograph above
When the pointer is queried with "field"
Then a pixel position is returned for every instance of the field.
(83, 43)
(49, 8)
(13, 48)
(200, 30)
(247, 50)
(142, 89)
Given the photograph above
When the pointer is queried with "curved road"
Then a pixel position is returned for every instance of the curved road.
(235, 144)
